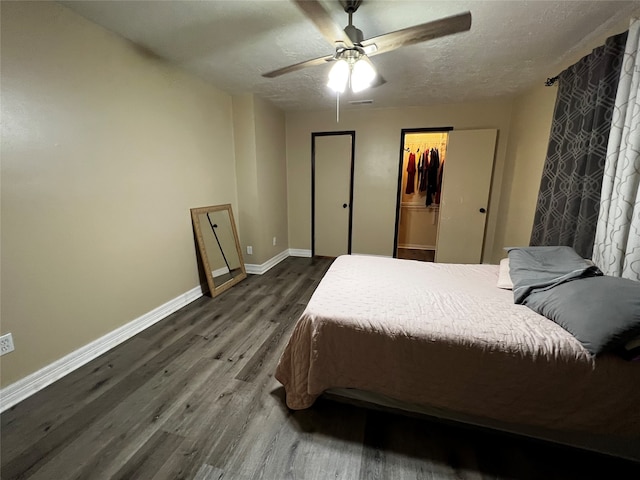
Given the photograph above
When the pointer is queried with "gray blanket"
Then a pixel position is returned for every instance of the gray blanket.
(535, 269)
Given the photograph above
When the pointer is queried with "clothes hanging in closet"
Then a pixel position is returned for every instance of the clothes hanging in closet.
(439, 187)
(432, 175)
(424, 164)
(411, 174)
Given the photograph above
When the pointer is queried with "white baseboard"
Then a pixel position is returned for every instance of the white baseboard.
(299, 252)
(263, 268)
(256, 269)
(24, 388)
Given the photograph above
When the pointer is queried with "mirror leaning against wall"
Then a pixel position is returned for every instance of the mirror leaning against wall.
(219, 247)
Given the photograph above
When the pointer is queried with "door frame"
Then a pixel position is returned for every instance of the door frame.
(352, 133)
(403, 132)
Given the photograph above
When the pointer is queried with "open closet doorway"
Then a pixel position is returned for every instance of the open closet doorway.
(452, 226)
(420, 176)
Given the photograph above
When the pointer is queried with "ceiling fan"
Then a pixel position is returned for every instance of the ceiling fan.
(352, 52)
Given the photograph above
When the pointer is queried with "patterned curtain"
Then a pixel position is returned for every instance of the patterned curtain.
(569, 197)
(617, 245)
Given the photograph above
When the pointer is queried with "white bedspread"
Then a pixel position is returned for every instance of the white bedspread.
(444, 335)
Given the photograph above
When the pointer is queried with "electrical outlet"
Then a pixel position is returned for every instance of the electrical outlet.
(6, 344)
(274, 241)
(249, 250)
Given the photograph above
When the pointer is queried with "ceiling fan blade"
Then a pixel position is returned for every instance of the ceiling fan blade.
(315, 12)
(299, 66)
(419, 33)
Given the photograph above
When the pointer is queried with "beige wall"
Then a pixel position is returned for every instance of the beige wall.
(104, 150)
(526, 152)
(247, 216)
(376, 165)
(272, 178)
(259, 136)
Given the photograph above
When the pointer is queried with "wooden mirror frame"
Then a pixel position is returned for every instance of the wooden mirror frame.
(197, 228)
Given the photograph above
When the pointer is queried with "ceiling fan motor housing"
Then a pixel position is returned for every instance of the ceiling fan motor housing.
(350, 6)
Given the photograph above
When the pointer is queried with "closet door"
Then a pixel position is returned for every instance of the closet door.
(465, 195)
(332, 172)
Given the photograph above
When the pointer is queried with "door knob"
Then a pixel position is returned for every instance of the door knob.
(482, 210)
(344, 205)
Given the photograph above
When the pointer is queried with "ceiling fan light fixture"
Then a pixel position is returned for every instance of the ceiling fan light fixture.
(339, 76)
(362, 75)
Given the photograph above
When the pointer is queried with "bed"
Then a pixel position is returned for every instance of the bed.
(443, 339)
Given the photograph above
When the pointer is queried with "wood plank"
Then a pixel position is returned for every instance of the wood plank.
(60, 436)
(111, 440)
(32, 419)
(265, 359)
(149, 459)
(324, 442)
(207, 472)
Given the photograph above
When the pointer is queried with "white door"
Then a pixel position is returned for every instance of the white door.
(332, 161)
(465, 195)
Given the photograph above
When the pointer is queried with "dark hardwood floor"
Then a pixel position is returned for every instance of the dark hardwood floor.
(194, 397)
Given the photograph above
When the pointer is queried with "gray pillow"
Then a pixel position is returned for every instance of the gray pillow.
(534, 269)
(603, 312)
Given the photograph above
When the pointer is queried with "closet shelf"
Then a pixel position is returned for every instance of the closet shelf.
(410, 246)
(419, 206)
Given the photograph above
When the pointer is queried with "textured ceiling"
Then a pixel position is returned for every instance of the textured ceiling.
(512, 45)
